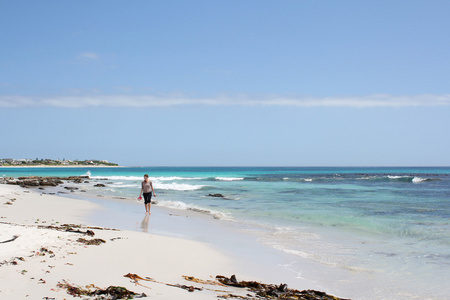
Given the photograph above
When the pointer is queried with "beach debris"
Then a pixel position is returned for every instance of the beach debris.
(69, 228)
(42, 281)
(23, 272)
(91, 242)
(102, 228)
(272, 291)
(232, 296)
(43, 251)
(10, 240)
(112, 292)
(210, 282)
(136, 279)
(64, 227)
(12, 261)
(71, 188)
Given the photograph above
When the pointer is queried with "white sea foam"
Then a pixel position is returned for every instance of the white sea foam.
(140, 178)
(418, 179)
(178, 186)
(125, 178)
(127, 185)
(290, 251)
(183, 206)
(308, 179)
(172, 178)
(229, 178)
(396, 177)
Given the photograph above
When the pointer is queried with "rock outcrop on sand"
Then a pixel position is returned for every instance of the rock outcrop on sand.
(36, 181)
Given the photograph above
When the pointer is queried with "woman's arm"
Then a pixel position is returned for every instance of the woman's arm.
(151, 185)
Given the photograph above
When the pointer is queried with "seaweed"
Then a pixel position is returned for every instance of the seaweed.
(111, 292)
(10, 240)
(210, 282)
(259, 290)
(91, 242)
(136, 279)
(272, 291)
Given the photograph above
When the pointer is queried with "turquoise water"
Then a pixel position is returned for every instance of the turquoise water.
(391, 223)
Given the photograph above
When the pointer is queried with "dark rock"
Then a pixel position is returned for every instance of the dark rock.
(29, 177)
(31, 182)
(70, 188)
(78, 177)
(216, 195)
(100, 185)
(16, 182)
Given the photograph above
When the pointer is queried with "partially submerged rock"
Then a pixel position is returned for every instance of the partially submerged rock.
(216, 195)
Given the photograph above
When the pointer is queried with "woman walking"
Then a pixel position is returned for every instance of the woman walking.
(146, 190)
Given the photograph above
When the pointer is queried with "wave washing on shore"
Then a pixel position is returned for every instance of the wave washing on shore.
(390, 224)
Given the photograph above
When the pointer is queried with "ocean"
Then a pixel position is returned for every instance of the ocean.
(387, 226)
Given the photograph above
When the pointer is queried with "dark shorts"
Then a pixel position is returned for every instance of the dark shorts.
(147, 198)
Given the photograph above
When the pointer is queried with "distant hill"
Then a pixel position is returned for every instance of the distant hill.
(11, 162)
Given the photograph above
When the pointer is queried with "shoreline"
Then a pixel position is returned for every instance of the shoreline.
(29, 270)
(52, 257)
(74, 166)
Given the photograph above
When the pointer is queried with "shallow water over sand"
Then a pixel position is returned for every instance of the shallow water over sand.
(365, 233)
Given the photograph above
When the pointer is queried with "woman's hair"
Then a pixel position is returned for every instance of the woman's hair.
(146, 175)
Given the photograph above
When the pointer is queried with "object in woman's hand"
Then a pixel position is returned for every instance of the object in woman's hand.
(140, 198)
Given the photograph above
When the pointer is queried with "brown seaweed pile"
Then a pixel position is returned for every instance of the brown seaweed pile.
(111, 292)
(136, 278)
(91, 242)
(272, 291)
(259, 290)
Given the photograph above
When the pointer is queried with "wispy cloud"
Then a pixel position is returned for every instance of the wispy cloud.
(79, 101)
(88, 55)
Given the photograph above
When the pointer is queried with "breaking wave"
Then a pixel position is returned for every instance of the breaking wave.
(140, 178)
(179, 186)
(229, 178)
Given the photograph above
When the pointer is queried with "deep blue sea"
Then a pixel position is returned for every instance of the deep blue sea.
(390, 224)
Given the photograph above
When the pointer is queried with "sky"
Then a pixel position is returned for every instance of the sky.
(226, 83)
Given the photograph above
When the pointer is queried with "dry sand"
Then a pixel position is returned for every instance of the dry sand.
(34, 260)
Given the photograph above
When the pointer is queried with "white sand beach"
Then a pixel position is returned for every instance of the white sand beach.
(35, 259)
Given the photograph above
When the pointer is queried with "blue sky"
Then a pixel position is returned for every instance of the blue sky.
(195, 83)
